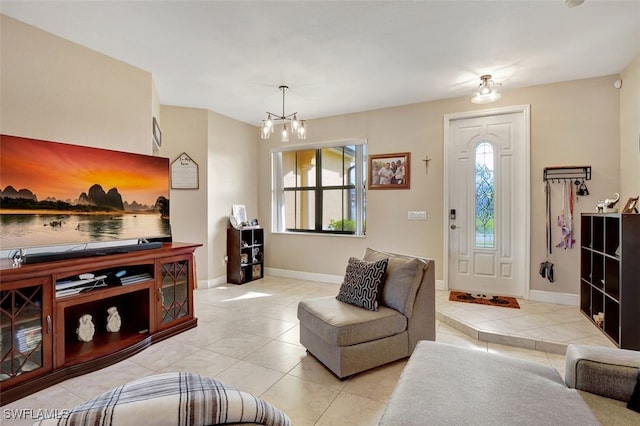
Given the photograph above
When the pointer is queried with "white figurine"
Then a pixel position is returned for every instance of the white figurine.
(608, 205)
(85, 328)
(113, 320)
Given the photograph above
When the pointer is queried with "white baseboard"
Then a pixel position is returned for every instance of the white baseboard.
(213, 282)
(553, 297)
(286, 273)
(309, 276)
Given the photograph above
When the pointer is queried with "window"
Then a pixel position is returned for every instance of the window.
(485, 194)
(319, 189)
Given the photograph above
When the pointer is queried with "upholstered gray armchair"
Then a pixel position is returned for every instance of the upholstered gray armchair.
(349, 339)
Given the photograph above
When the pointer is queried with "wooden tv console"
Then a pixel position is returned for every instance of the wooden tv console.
(39, 342)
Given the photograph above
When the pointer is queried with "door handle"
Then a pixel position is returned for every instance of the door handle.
(454, 227)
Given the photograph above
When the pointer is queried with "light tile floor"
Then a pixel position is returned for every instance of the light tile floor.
(247, 336)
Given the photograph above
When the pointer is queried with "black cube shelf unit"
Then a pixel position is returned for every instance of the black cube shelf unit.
(610, 275)
(245, 254)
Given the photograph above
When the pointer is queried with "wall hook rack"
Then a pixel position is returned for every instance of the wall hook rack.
(564, 173)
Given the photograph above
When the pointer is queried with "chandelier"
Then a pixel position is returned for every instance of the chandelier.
(486, 91)
(290, 123)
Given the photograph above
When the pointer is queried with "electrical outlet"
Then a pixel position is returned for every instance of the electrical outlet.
(417, 215)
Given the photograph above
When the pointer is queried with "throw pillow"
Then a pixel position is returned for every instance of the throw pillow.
(362, 283)
(634, 402)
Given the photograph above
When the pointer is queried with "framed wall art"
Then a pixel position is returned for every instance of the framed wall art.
(157, 134)
(390, 171)
(184, 173)
(631, 206)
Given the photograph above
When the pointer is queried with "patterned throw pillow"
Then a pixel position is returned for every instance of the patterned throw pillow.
(362, 283)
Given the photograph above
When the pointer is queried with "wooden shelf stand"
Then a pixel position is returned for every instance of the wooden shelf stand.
(609, 270)
(39, 342)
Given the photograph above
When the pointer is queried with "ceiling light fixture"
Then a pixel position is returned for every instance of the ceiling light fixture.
(486, 91)
(295, 126)
(572, 3)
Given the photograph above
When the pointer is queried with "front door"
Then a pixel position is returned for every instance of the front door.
(487, 206)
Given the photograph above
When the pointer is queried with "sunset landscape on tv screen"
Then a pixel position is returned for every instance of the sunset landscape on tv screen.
(57, 193)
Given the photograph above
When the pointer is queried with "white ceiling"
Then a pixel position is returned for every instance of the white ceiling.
(338, 56)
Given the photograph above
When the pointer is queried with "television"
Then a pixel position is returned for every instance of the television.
(64, 200)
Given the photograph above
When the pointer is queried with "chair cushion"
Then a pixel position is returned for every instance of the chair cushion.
(172, 399)
(402, 280)
(362, 282)
(342, 324)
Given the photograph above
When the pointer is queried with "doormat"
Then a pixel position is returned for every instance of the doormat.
(484, 299)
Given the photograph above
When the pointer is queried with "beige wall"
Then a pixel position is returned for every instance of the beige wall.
(56, 90)
(224, 150)
(572, 123)
(185, 130)
(233, 177)
(630, 131)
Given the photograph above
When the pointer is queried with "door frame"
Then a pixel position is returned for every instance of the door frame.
(448, 118)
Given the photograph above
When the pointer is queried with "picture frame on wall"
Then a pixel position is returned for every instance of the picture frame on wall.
(157, 133)
(631, 206)
(184, 173)
(389, 171)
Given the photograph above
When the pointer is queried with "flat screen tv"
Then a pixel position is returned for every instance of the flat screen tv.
(57, 197)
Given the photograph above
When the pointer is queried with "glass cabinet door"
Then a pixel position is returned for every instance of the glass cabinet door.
(25, 325)
(174, 291)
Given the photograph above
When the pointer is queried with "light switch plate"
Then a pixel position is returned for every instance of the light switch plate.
(417, 215)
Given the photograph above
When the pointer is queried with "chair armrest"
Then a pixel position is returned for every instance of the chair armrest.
(421, 325)
(608, 372)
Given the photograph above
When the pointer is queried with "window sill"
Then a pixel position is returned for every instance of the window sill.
(318, 234)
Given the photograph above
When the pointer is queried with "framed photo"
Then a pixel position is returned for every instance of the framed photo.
(631, 205)
(239, 212)
(157, 134)
(390, 171)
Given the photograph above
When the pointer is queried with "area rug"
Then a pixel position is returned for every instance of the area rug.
(484, 299)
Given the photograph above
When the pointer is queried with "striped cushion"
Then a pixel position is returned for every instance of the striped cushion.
(172, 399)
(362, 282)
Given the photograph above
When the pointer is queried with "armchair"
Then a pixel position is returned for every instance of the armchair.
(348, 339)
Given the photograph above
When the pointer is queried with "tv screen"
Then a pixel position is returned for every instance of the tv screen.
(54, 194)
